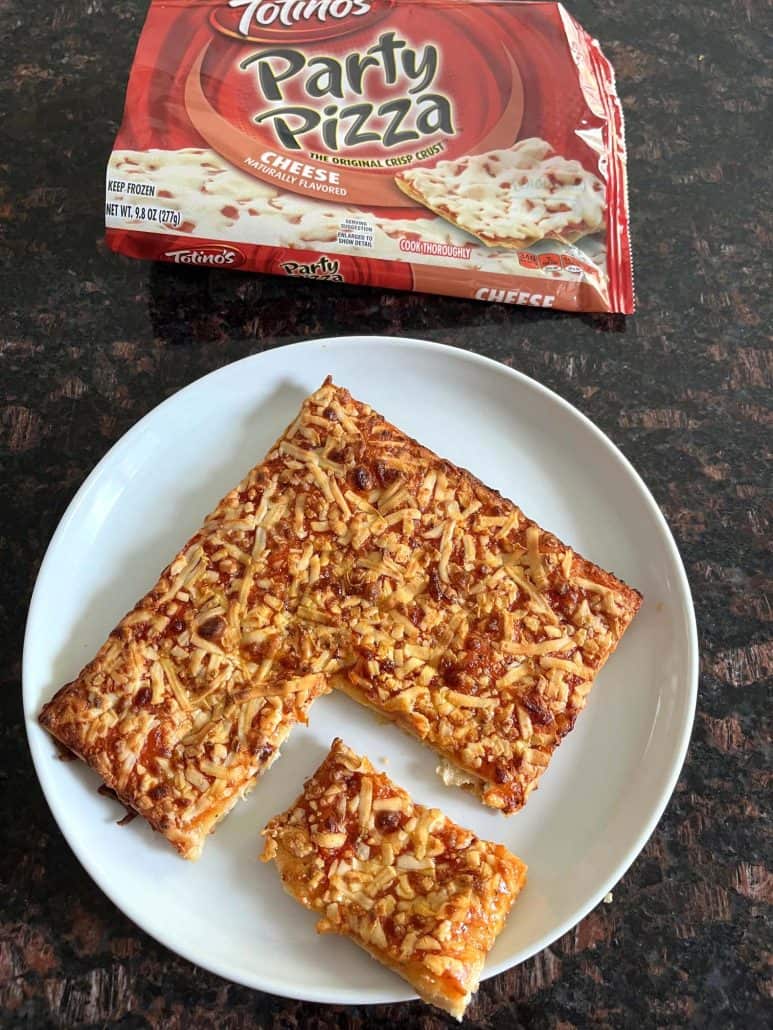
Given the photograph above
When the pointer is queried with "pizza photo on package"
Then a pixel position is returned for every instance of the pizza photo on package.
(465, 147)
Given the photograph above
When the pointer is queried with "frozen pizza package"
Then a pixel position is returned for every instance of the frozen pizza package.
(465, 147)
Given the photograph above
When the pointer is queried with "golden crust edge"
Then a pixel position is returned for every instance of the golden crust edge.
(189, 845)
(46, 717)
(49, 715)
(394, 718)
(631, 597)
(421, 983)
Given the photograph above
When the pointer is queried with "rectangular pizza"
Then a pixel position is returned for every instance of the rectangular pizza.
(422, 895)
(351, 558)
(514, 197)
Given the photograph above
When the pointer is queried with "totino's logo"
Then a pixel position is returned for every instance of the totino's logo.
(266, 20)
(214, 256)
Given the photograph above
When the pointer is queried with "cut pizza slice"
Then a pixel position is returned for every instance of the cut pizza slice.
(422, 895)
(512, 198)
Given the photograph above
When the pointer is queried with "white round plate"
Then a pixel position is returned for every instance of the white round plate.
(607, 784)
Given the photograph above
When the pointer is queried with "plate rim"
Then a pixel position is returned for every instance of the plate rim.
(341, 994)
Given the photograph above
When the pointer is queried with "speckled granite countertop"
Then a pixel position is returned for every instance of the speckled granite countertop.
(89, 342)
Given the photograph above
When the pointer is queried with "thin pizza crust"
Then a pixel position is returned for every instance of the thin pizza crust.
(468, 625)
(419, 893)
(512, 198)
(355, 558)
(189, 700)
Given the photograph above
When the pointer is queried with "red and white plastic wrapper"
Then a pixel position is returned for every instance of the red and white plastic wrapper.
(464, 147)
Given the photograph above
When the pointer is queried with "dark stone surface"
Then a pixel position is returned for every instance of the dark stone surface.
(89, 342)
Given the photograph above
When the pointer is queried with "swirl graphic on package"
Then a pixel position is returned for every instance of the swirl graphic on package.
(473, 148)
